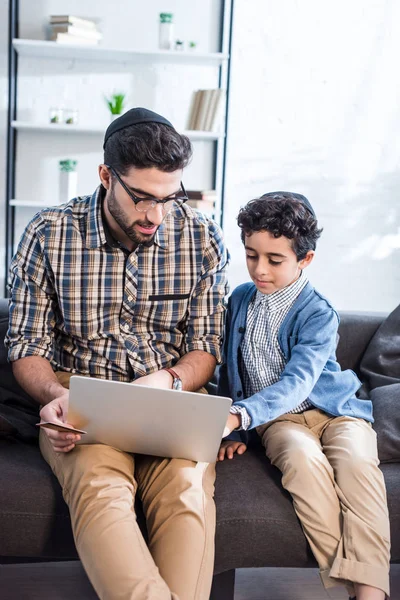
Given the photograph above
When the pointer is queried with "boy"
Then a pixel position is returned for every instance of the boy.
(280, 369)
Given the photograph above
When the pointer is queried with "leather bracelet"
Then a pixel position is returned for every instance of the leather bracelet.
(172, 372)
(176, 379)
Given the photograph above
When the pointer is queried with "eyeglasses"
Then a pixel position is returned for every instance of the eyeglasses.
(146, 204)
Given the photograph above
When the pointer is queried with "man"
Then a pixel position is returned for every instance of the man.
(123, 285)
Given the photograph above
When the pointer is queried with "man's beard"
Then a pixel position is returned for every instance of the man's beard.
(121, 219)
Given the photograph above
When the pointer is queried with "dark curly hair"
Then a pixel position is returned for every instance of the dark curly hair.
(282, 214)
(147, 145)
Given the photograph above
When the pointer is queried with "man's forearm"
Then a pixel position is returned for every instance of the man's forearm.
(35, 375)
(195, 369)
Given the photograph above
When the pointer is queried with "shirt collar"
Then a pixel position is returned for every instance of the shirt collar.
(95, 235)
(98, 232)
(281, 298)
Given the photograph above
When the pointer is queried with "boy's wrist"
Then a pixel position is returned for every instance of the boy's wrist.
(235, 421)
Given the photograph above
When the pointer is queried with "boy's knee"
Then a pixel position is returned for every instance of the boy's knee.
(357, 468)
(304, 464)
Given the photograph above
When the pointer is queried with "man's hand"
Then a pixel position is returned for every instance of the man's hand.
(56, 411)
(234, 421)
(229, 448)
(159, 379)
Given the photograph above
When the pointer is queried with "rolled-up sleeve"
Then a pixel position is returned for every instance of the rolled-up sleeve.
(31, 315)
(207, 303)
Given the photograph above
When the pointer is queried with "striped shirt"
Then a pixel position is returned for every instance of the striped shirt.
(262, 360)
(88, 306)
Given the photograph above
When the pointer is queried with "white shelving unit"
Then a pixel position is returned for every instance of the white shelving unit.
(124, 59)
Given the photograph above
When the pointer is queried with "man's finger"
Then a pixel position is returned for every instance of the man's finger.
(64, 448)
(64, 443)
(60, 435)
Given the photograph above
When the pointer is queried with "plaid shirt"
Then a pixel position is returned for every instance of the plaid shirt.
(262, 357)
(88, 306)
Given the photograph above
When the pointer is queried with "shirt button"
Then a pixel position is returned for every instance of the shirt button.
(239, 393)
(125, 327)
(130, 298)
(262, 373)
(134, 354)
(241, 330)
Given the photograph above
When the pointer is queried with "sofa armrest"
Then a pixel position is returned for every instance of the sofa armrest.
(356, 329)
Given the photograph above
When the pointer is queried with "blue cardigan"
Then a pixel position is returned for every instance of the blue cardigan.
(307, 338)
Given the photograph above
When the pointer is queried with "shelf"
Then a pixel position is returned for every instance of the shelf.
(81, 129)
(54, 50)
(28, 203)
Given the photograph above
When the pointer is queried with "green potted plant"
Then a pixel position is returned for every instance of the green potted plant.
(116, 104)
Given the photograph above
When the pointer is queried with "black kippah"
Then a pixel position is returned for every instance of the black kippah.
(288, 196)
(133, 117)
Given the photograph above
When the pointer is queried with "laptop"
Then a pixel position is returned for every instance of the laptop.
(146, 420)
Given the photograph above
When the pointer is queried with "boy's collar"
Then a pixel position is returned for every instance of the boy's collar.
(280, 298)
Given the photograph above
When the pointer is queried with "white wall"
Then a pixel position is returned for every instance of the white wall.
(315, 108)
(44, 83)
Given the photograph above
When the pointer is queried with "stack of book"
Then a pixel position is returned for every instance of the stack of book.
(204, 201)
(67, 29)
(205, 112)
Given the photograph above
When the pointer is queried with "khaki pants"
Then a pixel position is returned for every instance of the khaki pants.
(99, 485)
(330, 467)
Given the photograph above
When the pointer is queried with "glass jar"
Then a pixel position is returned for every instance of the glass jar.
(166, 31)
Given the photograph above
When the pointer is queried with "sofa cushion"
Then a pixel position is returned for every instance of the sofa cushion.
(380, 364)
(380, 370)
(34, 519)
(18, 412)
(386, 403)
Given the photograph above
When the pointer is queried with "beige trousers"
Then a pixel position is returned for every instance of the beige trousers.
(330, 467)
(99, 485)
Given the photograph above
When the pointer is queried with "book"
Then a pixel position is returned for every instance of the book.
(65, 38)
(211, 110)
(205, 206)
(201, 194)
(76, 31)
(193, 111)
(202, 200)
(205, 110)
(217, 110)
(206, 99)
(199, 112)
(72, 20)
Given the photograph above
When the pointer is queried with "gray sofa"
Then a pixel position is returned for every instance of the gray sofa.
(256, 524)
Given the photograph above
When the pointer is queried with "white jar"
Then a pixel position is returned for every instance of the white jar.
(166, 31)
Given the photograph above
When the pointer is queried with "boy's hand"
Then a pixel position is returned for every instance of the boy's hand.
(233, 422)
(229, 448)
